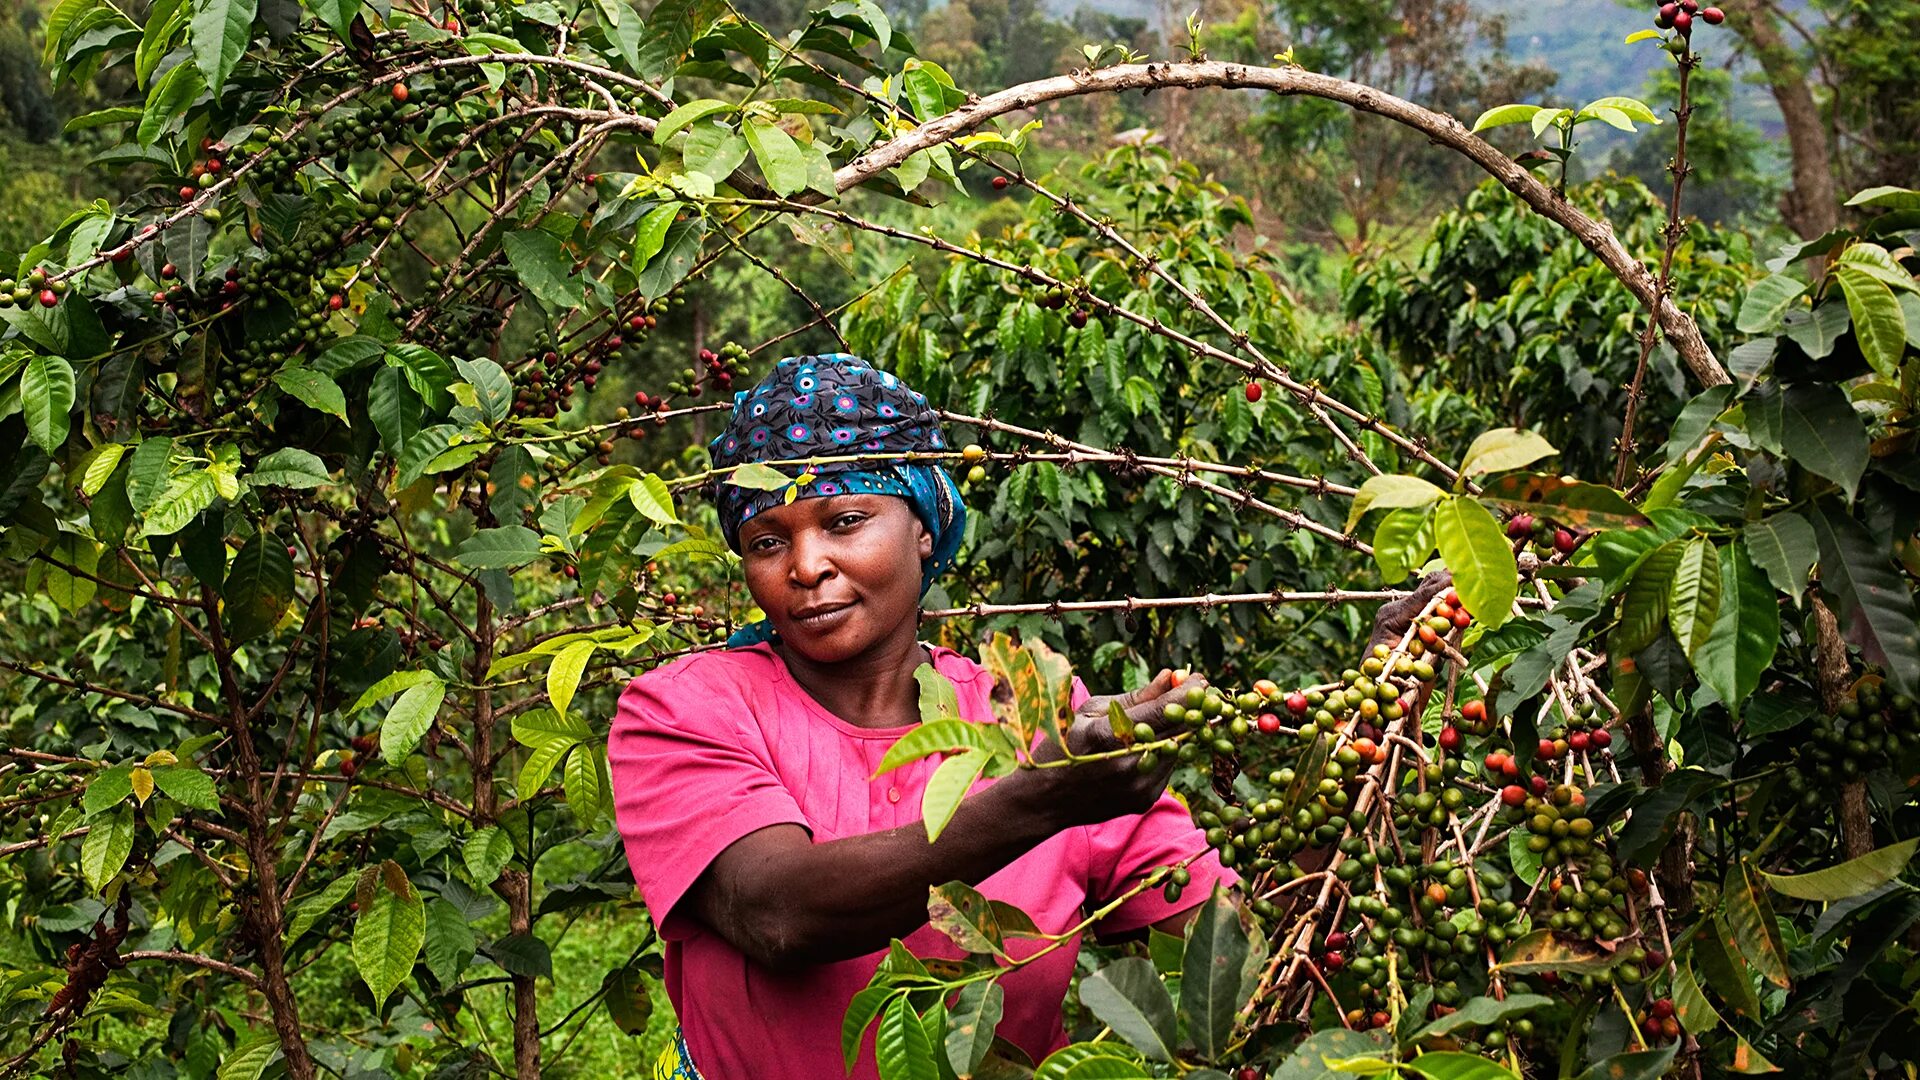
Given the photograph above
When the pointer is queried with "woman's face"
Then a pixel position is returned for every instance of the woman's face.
(836, 575)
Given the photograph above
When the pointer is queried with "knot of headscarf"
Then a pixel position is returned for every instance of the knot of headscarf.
(834, 405)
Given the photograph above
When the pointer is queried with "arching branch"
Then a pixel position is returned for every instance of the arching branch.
(1444, 130)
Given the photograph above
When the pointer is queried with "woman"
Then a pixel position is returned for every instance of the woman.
(777, 865)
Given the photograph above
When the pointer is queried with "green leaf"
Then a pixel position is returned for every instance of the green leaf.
(1750, 918)
(187, 786)
(311, 909)
(901, 1044)
(938, 701)
(756, 476)
(1503, 449)
(1639, 1065)
(971, 1023)
(181, 502)
(486, 853)
(1746, 630)
(1632, 108)
(1501, 115)
(220, 32)
(101, 461)
(676, 258)
(550, 737)
(1453, 1065)
(492, 389)
(1644, 610)
(938, 737)
(1875, 603)
(687, 115)
(1878, 323)
(714, 150)
(1308, 1061)
(866, 1005)
(1725, 967)
(1889, 197)
(407, 721)
(1402, 541)
(1820, 430)
(1542, 950)
(168, 99)
(337, 14)
(583, 782)
(1572, 503)
(1390, 492)
(1693, 597)
(544, 268)
(390, 928)
(499, 549)
(1093, 1061)
(563, 675)
(1784, 546)
(108, 789)
(947, 787)
(396, 410)
(1128, 996)
(46, 400)
(250, 1059)
(1767, 301)
(451, 943)
(391, 684)
(258, 588)
(1851, 878)
(777, 155)
(1480, 1012)
(651, 233)
(1639, 36)
(1211, 983)
(108, 842)
(1475, 549)
(313, 389)
(290, 467)
(651, 497)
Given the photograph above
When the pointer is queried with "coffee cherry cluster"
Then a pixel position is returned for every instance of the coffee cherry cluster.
(1547, 538)
(35, 286)
(716, 369)
(1868, 733)
(1680, 16)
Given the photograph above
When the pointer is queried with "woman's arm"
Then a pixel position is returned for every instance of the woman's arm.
(789, 903)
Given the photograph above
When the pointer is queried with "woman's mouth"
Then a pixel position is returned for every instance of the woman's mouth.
(823, 617)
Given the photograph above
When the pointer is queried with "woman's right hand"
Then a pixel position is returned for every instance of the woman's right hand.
(1085, 793)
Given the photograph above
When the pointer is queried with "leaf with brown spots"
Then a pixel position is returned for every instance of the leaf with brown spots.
(1572, 503)
(1544, 950)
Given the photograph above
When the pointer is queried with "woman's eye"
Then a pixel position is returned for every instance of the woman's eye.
(847, 519)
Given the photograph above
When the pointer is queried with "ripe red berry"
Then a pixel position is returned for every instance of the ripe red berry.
(1000, 183)
(669, 599)
(1078, 318)
(186, 192)
(638, 322)
(1520, 525)
(1578, 741)
(1548, 750)
(159, 298)
(1495, 761)
(1268, 723)
(1333, 961)
(1661, 1009)
(1600, 739)
(1564, 542)
(570, 570)
(214, 165)
(1513, 795)
(336, 302)
(1297, 703)
(1449, 738)
(169, 272)
(1539, 785)
(1713, 15)
(1253, 391)
(348, 767)
(400, 92)
(1683, 22)
(451, 26)
(1338, 940)
(1474, 712)
(49, 298)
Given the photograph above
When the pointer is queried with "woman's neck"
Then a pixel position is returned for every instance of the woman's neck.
(875, 689)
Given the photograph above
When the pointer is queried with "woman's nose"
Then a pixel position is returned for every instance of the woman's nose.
(810, 562)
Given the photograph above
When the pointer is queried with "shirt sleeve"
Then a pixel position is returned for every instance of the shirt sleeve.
(687, 783)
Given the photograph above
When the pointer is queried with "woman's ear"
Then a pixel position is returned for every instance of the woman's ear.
(925, 540)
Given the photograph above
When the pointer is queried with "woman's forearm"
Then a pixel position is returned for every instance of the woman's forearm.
(820, 903)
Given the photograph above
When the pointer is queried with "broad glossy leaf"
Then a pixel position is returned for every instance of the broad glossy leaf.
(1879, 325)
(583, 780)
(651, 497)
(947, 787)
(108, 842)
(1767, 301)
(499, 549)
(1544, 950)
(1504, 449)
(714, 149)
(187, 786)
(1746, 631)
(258, 588)
(389, 929)
(1721, 961)
(1210, 974)
(1820, 431)
(901, 1045)
(651, 233)
(310, 909)
(396, 410)
(290, 467)
(687, 115)
(1851, 878)
(1505, 114)
(1876, 605)
(1569, 502)
(544, 268)
(147, 472)
(250, 1059)
(677, 255)
(1128, 996)
(971, 1022)
(629, 999)
(937, 737)
(1091, 1061)
(1390, 492)
(1453, 1065)
(486, 853)
(1784, 546)
(1693, 594)
(1643, 611)
(1308, 1061)
(1639, 1065)
(451, 943)
(861, 1011)
(1750, 918)
(407, 722)
(777, 155)
(1402, 542)
(220, 31)
(108, 789)
(563, 675)
(46, 400)
(1474, 547)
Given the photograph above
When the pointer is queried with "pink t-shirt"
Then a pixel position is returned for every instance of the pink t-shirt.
(714, 746)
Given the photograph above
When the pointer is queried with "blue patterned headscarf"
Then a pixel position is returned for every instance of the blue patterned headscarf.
(826, 406)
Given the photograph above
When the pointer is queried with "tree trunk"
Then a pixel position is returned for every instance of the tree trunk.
(1810, 206)
(1831, 671)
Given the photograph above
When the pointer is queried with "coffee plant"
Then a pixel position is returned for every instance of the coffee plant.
(325, 552)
